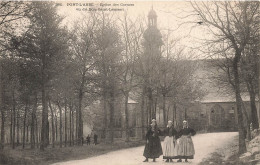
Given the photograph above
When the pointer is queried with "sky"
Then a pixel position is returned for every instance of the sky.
(176, 16)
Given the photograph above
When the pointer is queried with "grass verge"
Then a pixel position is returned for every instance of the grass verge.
(226, 156)
(52, 155)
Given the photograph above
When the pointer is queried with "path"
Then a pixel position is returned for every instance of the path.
(204, 145)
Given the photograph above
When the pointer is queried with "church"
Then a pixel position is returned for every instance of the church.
(215, 112)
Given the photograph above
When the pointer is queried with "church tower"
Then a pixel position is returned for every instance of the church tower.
(152, 36)
(150, 66)
(152, 18)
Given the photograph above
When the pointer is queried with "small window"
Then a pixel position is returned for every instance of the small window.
(232, 110)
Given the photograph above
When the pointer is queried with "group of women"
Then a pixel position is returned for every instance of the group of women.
(176, 145)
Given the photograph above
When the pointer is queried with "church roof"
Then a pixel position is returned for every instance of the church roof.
(214, 92)
(220, 98)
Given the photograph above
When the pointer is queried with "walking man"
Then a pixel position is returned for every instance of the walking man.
(88, 140)
(95, 139)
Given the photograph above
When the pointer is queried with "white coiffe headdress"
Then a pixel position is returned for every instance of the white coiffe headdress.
(169, 123)
(184, 121)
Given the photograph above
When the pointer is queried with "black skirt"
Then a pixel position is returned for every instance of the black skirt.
(153, 148)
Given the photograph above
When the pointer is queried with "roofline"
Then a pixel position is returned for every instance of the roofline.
(221, 101)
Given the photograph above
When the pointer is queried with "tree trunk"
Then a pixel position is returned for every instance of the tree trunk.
(105, 112)
(155, 108)
(52, 125)
(11, 127)
(254, 116)
(18, 128)
(174, 114)
(48, 133)
(258, 90)
(27, 133)
(2, 106)
(126, 118)
(80, 126)
(70, 118)
(60, 125)
(242, 144)
(77, 124)
(33, 122)
(2, 127)
(14, 121)
(66, 124)
(111, 119)
(44, 129)
(185, 113)
(164, 111)
(73, 135)
(24, 123)
(146, 113)
(248, 135)
(149, 106)
(142, 114)
(56, 125)
(36, 133)
(167, 114)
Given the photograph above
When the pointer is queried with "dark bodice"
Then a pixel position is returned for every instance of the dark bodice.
(151, 133)
(170, 131)
(187, 131)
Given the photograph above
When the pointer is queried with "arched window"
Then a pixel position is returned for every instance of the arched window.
(118, 122)
(217, 115)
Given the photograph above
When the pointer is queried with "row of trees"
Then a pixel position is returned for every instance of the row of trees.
(50, 74)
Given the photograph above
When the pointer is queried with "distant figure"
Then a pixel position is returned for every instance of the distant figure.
(88, 140)
(95, 139)
(153, 148)
(185, 147)
(82, 140)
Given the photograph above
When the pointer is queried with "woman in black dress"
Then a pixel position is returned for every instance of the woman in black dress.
(153, 148)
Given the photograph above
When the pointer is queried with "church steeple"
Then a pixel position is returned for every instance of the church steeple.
(152, 18)
(152, 35)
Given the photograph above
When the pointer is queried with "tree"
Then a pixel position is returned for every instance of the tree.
(109, 48)
(169, 80)
(249, 72)
(230, 23)
(128, 81)
(83, 49)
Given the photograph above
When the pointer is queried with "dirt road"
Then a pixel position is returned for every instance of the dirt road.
(204, 145)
